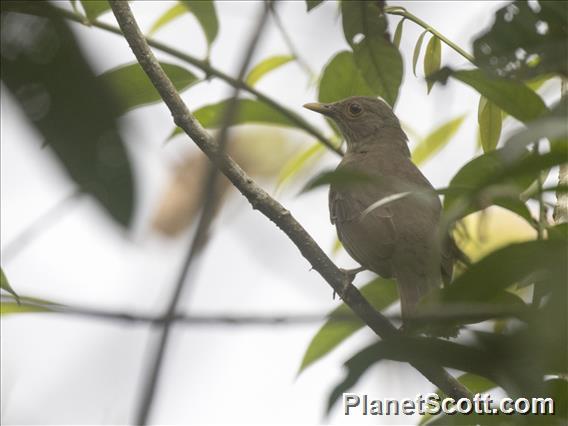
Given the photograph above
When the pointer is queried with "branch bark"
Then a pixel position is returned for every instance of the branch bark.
(261, 200)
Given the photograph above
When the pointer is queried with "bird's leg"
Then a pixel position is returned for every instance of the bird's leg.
(349, 276)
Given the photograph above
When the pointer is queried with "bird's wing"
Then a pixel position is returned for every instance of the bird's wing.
(369, 238)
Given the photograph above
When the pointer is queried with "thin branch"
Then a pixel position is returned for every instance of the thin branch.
(273, 210)
(125, 18)
(40, 225)
(205, 66)
(401, 11)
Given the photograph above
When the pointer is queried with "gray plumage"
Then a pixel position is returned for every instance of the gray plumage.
(398, 239)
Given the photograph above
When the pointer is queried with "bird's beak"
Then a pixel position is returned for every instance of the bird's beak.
(325, 109)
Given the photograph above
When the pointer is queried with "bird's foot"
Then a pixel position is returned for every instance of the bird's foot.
(348, 277)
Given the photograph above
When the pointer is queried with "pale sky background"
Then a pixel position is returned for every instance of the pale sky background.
(67, 370)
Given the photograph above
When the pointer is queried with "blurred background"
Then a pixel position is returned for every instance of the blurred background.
(59, 369)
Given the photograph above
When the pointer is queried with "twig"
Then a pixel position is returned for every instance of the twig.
(401, 11)
(273, 210)
(288, 40)
(41, 224)
(126, 21)
(42, 9)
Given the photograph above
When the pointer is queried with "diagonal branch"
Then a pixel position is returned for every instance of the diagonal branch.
(272, 209)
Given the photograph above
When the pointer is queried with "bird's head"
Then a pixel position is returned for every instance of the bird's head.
(363, 120)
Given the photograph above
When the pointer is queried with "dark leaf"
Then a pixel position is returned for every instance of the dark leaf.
(311, 4)
(362, 19)
(133, 88)
(398, 33)
(95, 8)
(511, 96)
(526, 40)
(432, 59)
(342, 323)
(52, 82)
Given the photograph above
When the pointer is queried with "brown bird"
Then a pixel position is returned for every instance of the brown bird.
(388, 223)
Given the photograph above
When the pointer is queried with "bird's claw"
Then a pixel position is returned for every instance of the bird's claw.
(348, 277)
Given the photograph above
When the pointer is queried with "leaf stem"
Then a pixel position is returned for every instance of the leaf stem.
(401, 11)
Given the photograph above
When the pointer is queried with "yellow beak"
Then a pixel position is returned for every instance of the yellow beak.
(324, 109)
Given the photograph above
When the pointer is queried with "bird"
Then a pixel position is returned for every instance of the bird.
(389, 223)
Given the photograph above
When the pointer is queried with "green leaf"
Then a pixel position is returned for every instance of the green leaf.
(341, 79)
(342, 323)
(398, 33)
(558, 232)
(76, 117)
(298, 162)
(5, 285)
(378, 60)
(169, 15)
(380, 64)
(513, 97)
(339, 177)
(489, 118)
(266, 66)
(204, 12)
(432, 59)
(506, 266)
(436, 140)
(133, 88)
(417, 49)
(249, 111)
(95, 8)
(311, 4)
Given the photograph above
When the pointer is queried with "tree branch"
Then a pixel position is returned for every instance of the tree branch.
(261, 200)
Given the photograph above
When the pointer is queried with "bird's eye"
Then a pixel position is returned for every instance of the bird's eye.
(355, 109)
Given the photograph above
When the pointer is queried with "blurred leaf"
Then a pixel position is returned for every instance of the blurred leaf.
(558, 232)
(511, 96)
(432, 59)
(298, 162)
(339, 177)
(341, 79)
(398, 33)
(376, 57)
(416, 53)
(204, 12)
(526, 40)
(474, 383)
(436, 140)
(249, 111)
(24, 305)
(489, 118)
(169, 15)
(5, 285)
(311, 4)
(506, 266)
(58, 92)
(266, 66)
(557, 389)
(95, 8)
(133, 88)
(342, 323)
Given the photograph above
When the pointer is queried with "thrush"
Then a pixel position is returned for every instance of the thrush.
(389, 223)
